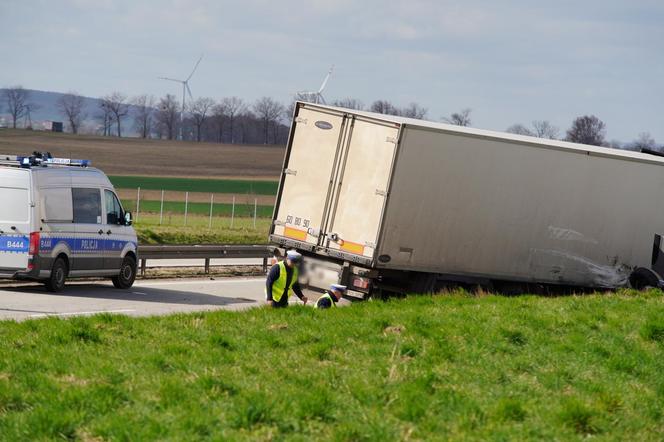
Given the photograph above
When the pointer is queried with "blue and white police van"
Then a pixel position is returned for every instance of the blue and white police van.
(61, 218)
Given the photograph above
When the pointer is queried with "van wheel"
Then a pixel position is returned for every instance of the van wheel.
(56, 282)
(127, 274)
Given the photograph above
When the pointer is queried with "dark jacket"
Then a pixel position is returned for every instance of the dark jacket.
(272, 276)
(325, 302)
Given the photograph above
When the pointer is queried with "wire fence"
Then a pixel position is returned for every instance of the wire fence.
(240, 207)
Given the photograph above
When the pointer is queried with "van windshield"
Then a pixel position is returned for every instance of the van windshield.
(14, 205)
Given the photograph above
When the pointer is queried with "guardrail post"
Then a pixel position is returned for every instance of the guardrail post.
(144, 264)
(207, 266)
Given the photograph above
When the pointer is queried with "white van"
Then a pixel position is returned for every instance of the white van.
(60, 219)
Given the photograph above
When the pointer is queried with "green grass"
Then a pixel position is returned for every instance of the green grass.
(257, 187)
(173, 231)
(218, 209)
(452, 367)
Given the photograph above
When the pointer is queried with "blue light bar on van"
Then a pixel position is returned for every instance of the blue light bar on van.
(67, 162)
(41, 160)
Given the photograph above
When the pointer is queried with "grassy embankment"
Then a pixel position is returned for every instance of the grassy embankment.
(453, 367)
(173, 231)
(197, 231)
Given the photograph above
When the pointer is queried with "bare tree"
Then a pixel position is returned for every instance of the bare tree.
(168, 114)
(461, 118)
(414, 110)
(544, 129)
(644, 141)
(200, 111)
(520, 129)
(71, 105)
(118, 108)
(144, 114)
(349, 103)
(233, 106)
(268, 111)
(16, 99)
(587, 129)
(105, 117)
(384, 107)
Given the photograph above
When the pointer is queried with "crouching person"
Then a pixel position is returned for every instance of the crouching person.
(282, 282)
(331, 297)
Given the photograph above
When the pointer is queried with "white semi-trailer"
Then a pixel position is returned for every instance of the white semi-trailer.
(387, 204)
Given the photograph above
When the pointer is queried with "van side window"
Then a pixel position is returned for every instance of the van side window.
(113, 208)
(87, 205)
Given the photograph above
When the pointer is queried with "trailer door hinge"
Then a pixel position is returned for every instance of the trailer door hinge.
(301, 120)
(278, 223)
(370, 244)
(381, 192)
(391, 140)
(290, 172)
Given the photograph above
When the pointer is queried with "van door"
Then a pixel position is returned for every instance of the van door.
(15, 214)
(88, 250)
(361, 192)
(116, 234)
(308, 174)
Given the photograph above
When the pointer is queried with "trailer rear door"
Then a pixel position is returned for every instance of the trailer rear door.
(15, 210)
(308, 174)
(361, 189)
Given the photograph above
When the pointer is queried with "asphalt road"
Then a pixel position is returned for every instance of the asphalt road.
(154, 297)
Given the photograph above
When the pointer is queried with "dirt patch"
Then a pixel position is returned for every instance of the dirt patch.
(395, 329)
(135, 156)
(278, 327)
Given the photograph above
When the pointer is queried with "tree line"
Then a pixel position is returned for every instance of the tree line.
(265, 121)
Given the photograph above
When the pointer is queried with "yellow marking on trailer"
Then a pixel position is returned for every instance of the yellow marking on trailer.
(295, 233)
(352, 247)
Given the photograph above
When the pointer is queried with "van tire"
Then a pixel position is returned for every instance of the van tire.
(127, 274)
(56, 282)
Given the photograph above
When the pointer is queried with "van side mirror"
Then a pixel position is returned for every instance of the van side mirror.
(127, 219)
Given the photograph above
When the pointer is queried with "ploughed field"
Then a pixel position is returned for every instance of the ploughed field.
(447, 367)
(135, 156)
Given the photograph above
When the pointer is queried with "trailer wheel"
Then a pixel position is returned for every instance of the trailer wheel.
(56, 282)
(127, 274)
(643, 278)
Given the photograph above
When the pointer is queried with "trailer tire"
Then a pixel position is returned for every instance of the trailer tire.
(643, 278)
(56, 282)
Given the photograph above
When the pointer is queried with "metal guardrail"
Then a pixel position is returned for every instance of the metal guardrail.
(204, 252)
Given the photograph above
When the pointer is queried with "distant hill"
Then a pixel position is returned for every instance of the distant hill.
(47, 110)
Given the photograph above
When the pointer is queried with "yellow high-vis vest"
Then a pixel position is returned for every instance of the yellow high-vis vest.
(279, 286)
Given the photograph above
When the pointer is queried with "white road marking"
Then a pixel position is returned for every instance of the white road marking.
(139, 293)
(45, 315)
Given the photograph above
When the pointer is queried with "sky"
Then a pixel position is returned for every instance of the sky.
(510, 61)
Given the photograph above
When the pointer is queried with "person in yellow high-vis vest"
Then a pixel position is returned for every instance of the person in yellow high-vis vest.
(282, 282)
(331, 297)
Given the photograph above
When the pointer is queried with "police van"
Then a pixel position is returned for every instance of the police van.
(61, 218)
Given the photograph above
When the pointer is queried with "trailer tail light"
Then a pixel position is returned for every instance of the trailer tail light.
(34, 244)
(361, 283)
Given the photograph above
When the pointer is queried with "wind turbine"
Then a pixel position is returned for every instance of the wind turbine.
(315, 97)
(185, 89)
